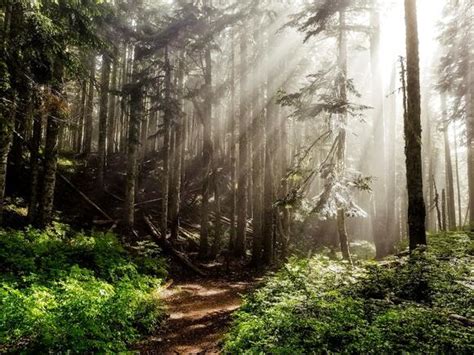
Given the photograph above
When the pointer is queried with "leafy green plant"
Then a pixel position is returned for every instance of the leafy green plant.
(402, 305)
(66, 291)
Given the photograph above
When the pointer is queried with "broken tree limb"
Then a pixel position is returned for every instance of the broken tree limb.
(463, 320)
(166, 246)
(148, 202)
(84, 196)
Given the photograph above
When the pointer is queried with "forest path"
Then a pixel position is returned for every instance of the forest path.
(199, 315)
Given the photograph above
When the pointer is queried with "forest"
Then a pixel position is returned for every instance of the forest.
(237, 176)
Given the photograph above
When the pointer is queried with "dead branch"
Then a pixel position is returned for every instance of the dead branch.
(167, 247)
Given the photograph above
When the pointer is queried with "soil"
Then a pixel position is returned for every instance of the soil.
(199, 315)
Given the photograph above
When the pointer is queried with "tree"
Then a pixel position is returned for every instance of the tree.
(243, 165)
(103, 115)
(416, 204)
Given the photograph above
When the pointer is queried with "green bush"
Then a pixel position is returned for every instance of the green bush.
(64, 291)
(403, 305)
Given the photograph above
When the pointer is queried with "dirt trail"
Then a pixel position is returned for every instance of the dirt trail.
(200, 312)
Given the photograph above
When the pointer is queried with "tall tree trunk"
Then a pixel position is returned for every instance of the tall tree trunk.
(6, 136)
(458, 184)
(243, 168)
(34, 161)
(257, 159)
(177, 161)
(104, 96)
(416, 204)
(451, 209)
(82, 111)
(379, 221)
(268, 191)
(167, 118)
(470, 130)
(341, 150)
(233, 156)
(391, 178)
(207, 151)
(56, 115)
(111, 121)
(88, 124)
(7, 106)
(444, 225)
(136, 103)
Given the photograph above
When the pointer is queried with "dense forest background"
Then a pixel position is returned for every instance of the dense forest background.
(235, 132)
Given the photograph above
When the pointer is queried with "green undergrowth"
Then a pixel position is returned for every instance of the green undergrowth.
(64, 291)
(417, 304)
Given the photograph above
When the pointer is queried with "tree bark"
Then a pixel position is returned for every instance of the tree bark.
(88, 124)
(243, 169)
(34, 161)
(136, 101)
(56, 116)
(207, 154)
(379, 221)
(268, 184)
(257, 162)
(233, 155)
(112, 110)
(416, 204)
(451, 209)
(103, 107)
(341, 144)
(179, 143)
(458, 184)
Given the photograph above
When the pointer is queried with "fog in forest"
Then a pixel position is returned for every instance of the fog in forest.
(223, 139)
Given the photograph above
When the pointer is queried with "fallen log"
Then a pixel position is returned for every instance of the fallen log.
(167, 247)
(463, 320)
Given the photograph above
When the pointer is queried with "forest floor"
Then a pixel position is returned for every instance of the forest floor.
(199, 315)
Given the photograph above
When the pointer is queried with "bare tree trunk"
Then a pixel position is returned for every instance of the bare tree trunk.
(444, 225)
(243, 153)
(104, 96)
(392, 215)
(458, 184)
(6, 136)
(167, 118)
(451, 209)
(233, 157)
(416, 204)
(88, 128)
(136, 101)
(379, 221)
(82, 111)
(257, 160)
(34, 161)
(178, 161)
(7, 108)
(207, 152)
(341, 150)
(470, 137)
(268, 190)
(56, 116)
(112, 122)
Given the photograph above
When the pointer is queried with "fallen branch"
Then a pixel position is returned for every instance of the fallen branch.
(118, 198)
(147, 202)
(463, 320)
(84, 196)
(167, 247)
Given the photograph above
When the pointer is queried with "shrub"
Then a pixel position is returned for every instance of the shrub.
(64, 291)
(402, 305)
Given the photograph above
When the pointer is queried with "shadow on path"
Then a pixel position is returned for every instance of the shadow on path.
(199, 315)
